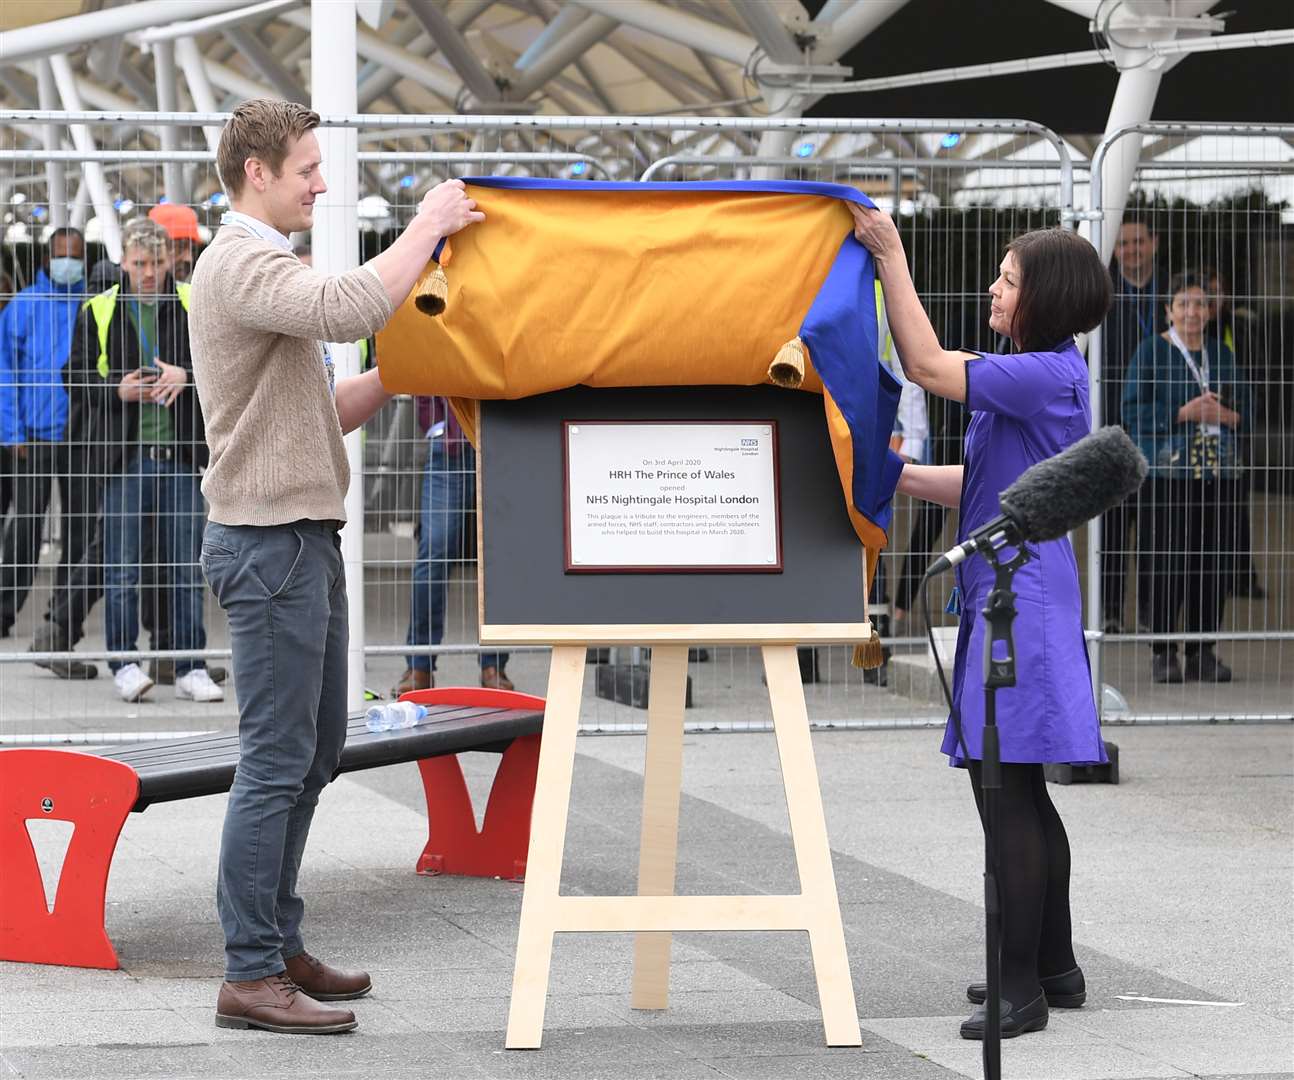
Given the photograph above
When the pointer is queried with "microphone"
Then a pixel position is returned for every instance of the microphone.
(1055, 496)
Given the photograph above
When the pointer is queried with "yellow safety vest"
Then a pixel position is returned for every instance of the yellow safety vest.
(104, 309)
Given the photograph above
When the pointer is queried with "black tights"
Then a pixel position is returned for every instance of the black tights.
(1033, 881)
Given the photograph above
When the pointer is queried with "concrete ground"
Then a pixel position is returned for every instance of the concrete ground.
(1183, 906)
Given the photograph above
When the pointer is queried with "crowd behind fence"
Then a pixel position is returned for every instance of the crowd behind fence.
(115, 506)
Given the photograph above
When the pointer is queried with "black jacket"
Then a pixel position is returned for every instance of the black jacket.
(97, 415)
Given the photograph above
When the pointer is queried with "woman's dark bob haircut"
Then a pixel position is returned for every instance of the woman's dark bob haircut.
(1064, 289)
(1187, 279)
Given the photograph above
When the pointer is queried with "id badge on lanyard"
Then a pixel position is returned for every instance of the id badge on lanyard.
(1200, 372)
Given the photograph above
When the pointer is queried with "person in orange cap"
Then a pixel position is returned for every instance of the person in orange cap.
(181, 225)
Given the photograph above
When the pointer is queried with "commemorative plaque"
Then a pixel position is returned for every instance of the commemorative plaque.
(647, 496)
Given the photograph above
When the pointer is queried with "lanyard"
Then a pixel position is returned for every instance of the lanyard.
(1201, 372)
(145, 342)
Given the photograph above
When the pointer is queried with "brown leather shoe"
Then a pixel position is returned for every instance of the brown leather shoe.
(413, 679)
(495, 679)
(325, 983)
(277, 1004)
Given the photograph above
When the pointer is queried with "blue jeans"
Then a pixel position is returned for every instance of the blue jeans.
(284, 590)
(448, 503)
(166, 496)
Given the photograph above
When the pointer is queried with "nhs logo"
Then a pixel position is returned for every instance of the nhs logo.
(749, 442)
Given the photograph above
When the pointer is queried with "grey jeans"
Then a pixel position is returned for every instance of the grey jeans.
(284, 590)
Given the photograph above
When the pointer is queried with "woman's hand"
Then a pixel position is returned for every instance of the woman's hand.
(166, 388)
(877, 232)
(1207, 409)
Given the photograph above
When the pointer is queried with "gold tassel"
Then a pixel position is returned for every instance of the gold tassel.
(432, 293)
(787, 368)
(869, 654)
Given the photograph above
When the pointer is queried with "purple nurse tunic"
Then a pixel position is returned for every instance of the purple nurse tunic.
(1025, 407)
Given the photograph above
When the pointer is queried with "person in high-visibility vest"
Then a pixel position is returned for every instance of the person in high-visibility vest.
(135, 379)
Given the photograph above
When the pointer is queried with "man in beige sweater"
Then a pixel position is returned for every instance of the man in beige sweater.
(272, 551)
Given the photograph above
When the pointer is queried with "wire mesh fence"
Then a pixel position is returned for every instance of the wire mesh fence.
(960, 189)
(1192, 588)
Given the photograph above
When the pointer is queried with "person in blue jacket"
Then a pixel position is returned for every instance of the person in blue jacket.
(35, 341)
(1185, 405)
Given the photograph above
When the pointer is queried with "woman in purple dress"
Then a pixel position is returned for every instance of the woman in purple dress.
(1026, 405)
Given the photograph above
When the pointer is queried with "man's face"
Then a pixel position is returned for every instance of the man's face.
(181, 259)
(67, 246)
(1134, 250)
(290, 196)
(1217, 299)
(145, 269)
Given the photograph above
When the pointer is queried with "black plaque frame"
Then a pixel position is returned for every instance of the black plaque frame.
(526, 596)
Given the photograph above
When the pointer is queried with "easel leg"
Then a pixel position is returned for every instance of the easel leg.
(812, 850)
(658, 850)
(547, 843)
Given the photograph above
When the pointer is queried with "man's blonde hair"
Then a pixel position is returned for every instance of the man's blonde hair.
(147, 235)
(260, 128)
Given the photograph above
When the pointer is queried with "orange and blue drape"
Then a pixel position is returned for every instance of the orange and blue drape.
(661, 284)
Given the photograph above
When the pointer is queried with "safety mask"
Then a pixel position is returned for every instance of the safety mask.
(66, 271)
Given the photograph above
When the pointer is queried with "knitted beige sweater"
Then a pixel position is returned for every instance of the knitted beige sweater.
(256, 320)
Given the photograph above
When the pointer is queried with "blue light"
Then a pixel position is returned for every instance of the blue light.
(805, 149)
(217, 199)
(162, 199)
(118, 203)
(39, 213)
(950, 140)
(579, 168)
(408, 181)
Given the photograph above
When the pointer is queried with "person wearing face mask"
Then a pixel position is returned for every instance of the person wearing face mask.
(35, 340)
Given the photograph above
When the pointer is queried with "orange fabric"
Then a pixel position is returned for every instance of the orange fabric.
(617, 289)
(623, 288)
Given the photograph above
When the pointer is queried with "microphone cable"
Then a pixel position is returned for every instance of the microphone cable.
(954, 714)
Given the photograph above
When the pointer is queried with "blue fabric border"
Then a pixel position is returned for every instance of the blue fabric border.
(841, 334)
(765, 187)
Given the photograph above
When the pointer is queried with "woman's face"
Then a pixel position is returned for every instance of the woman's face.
(1189, 311)
(1004, 294)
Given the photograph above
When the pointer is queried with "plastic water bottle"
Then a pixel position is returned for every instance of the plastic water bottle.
(1114, 706)
(397, 714)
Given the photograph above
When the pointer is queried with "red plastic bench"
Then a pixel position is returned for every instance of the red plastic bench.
(96, 793)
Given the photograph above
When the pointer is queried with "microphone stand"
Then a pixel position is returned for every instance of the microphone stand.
(999, 611)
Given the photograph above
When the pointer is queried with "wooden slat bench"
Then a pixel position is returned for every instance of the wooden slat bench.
(96, 793)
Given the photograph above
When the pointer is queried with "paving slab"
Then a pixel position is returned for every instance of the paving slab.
(1181, 893)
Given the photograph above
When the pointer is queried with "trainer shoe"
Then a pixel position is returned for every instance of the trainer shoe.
(132, 683)
(47, 639)
(197, 686)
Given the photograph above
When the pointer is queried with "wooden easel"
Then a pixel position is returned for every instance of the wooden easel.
(655, 913)
(525, 598)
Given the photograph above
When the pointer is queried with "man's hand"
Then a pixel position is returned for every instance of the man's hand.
(167, 386)
(135, 387)
(446, 209)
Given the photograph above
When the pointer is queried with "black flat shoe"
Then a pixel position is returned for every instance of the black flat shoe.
(1067, 990)
(1015, 1021)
